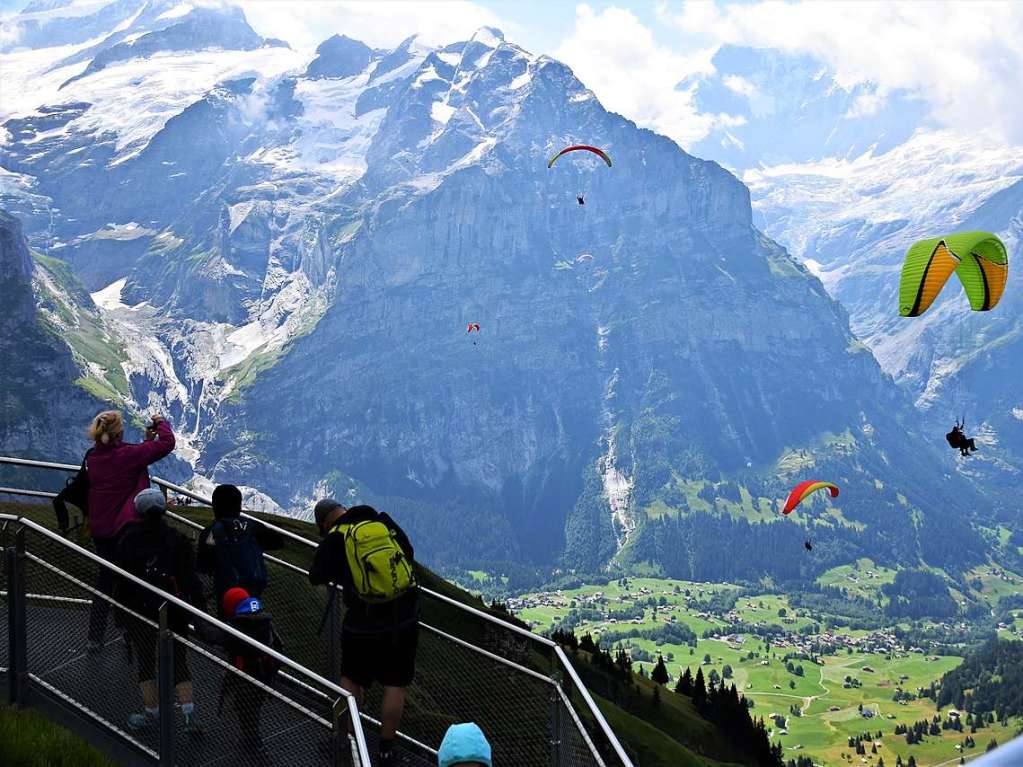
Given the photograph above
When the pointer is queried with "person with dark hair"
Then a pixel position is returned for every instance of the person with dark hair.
(231, 549)
(365, 553)
(156, 553)
(117, 471)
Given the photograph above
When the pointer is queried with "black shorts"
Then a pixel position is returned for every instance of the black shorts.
(388, 658)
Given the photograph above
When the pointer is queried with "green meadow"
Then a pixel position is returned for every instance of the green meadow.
(849, 692)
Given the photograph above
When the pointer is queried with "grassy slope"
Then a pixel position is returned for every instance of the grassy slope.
(666, 735)
(27, 739)
(820, 732)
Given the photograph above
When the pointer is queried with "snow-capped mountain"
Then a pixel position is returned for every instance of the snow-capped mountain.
(285, 249)
(848, 191)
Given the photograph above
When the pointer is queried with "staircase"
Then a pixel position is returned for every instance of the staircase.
(520, 688)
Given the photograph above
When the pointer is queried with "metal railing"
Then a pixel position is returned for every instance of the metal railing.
(519, 687)
(50, 601)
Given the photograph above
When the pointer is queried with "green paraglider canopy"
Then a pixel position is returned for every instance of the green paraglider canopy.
(979, 260)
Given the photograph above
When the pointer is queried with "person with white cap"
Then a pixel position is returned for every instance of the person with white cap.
(163, 557)
(464, 745)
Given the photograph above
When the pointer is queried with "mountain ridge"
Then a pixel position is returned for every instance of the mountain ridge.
(302, 270)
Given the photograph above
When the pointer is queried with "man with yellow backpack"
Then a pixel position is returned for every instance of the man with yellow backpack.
(365, 553)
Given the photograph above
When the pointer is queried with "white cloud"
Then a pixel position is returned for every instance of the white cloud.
(963, 58)
(10, 32)
(617, 57)
(739, 85)
(307, 23)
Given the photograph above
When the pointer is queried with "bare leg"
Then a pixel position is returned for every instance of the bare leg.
(391, 709)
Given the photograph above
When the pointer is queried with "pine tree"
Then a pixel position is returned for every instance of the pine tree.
(699, 689)
(685, 683)
(660, 672)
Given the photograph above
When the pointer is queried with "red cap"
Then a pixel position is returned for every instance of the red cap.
(232, 597)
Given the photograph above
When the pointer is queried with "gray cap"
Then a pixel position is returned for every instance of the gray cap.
(323, 509)
(150, 501)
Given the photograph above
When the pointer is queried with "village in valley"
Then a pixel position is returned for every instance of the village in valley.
(834, 689)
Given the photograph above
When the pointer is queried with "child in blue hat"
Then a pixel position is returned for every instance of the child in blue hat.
(464, 745)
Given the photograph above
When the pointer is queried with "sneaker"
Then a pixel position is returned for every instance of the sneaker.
(142, 721)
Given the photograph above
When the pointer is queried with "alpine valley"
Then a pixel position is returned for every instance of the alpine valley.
(282, 251)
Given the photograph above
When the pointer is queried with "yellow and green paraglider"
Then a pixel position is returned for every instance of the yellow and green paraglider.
(979, 260)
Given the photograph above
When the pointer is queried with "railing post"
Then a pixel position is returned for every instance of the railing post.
(339, 734)
(17, 626)
(165, 690)
(555, 720)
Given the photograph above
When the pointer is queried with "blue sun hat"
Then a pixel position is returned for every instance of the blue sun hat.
(464, 743)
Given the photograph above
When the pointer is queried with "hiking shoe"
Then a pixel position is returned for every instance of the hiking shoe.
(142, 721)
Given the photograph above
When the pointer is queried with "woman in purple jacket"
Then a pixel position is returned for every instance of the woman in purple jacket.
(117, 472)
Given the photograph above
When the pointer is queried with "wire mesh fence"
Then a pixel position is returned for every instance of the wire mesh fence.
(470, 667)
(150, 679)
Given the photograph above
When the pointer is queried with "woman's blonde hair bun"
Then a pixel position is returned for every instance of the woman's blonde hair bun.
(107, 426)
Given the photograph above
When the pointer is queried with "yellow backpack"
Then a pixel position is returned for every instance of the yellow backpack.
(380, 569)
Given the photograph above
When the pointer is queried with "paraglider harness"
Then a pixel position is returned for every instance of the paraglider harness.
(958, 440)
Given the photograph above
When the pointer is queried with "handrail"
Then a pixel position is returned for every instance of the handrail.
(294, 537)
(601, 721)
(172, 515)
(543, 641)
(225, 628)
(180, 603)
(20, 491)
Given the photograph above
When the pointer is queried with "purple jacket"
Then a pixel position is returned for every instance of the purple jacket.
(117, 473)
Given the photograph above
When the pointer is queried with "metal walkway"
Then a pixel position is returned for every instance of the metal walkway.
(471, 666)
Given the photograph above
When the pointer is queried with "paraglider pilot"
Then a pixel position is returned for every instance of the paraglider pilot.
(581, 200)
(957, 439)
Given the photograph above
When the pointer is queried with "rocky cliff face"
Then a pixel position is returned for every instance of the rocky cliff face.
(42, 411)
(291, 259)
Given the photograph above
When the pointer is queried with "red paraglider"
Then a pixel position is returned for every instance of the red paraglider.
(804, 489)
(583, 147)
(473, 326)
